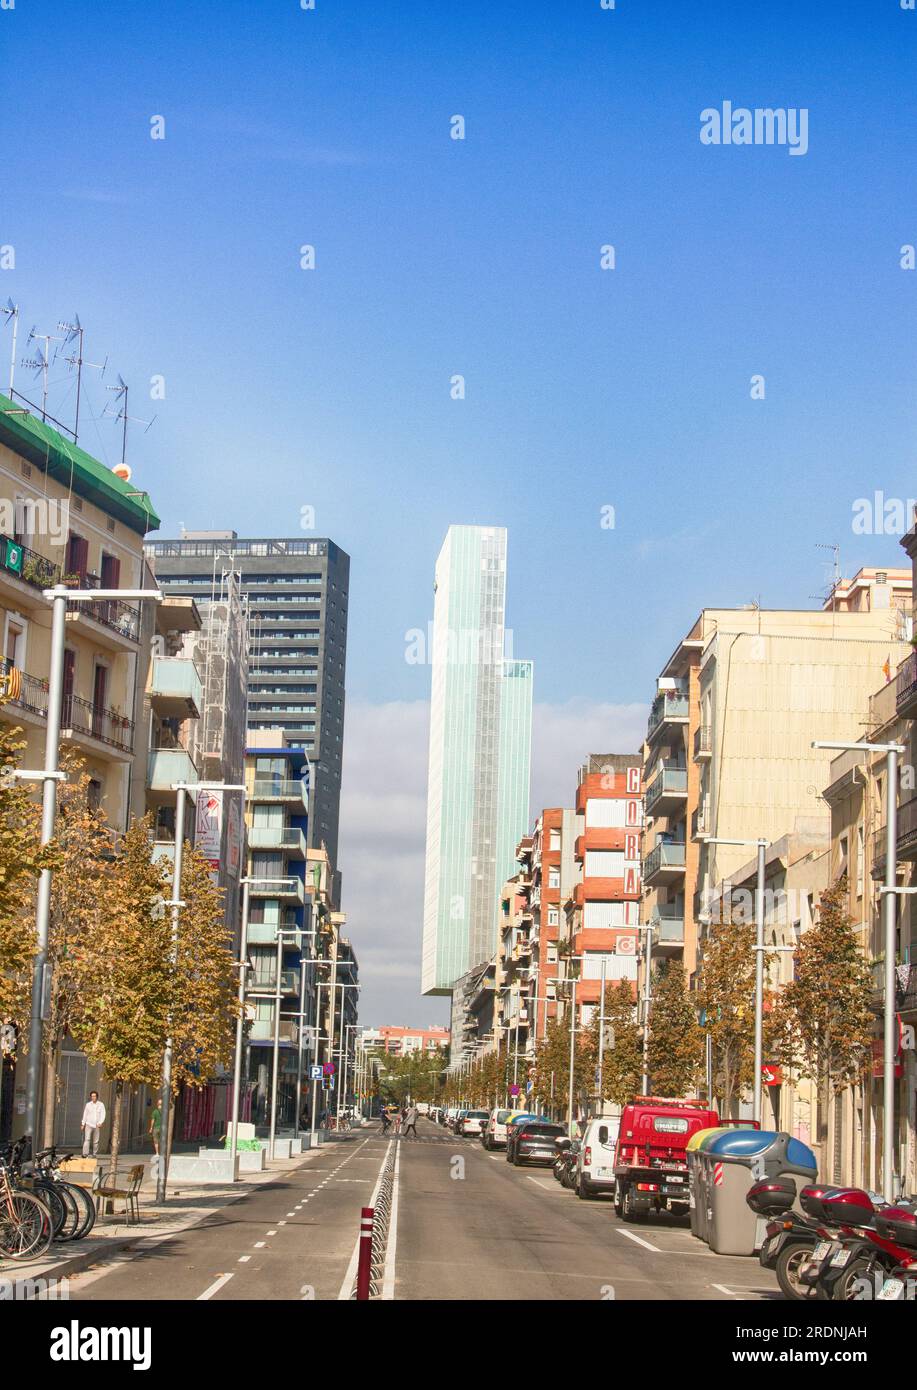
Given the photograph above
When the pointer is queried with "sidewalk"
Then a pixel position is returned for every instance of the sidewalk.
(186, 1205)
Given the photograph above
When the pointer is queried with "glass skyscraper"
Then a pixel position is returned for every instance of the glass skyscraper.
(480, 756)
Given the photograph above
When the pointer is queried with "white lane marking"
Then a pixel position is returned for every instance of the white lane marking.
(214, 1287)
(281, 1223)
(272, 1233)
(540, 1182)
(244, 1259)
(645, 1243)
(258, 1245)
(388, 1277)
(351, 1273)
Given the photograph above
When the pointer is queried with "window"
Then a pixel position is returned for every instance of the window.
(554, 876)
(554, 839)
(604, 863)
(553, 917)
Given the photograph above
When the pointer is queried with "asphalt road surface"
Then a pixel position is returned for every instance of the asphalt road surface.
(467, 1225)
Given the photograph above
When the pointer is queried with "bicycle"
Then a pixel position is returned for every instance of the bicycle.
(26, 1224)
(62, 1208)
(48, 1162)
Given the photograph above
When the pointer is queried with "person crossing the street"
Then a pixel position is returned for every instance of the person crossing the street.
(410, 1120)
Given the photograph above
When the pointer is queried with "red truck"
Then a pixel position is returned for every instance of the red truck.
(651, 1162)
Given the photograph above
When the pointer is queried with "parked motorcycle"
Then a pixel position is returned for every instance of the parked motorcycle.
(557, 1167)
(857, 1256)
(790, 1235)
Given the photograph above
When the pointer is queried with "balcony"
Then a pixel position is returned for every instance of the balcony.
(277, 789)
(91, 725)
(27, 694)
(906, 993)
(703, 743)
(265, 933)
(665, 863)
(668, 923)
(906, 830)
(667, 791)
(175, 690)
(700, 823)
(278, 837)
(906, 687)
(108, 621)
(283, 889)
(24, 574)
(266, 983)
(670, 707)
(262, 1030)
(166, 766)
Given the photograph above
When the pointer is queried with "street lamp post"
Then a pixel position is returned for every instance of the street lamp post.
(888, 892)
(282, 933)
(240, 1021)
(58, 597)
(181, 789)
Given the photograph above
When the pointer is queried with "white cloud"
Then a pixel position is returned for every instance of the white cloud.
(383, 829)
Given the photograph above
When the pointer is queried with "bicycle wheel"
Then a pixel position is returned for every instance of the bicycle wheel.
(73, 1213)
(26, 1226)
(47, 1192)
(86, 1206)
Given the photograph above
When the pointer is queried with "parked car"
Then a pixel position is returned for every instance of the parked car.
(493, 1135)
(423, 1107)
(533, 1142)
(595, 1167)
(518, 1117)
(472, 1122)
(449, 1118)
(455, 1121)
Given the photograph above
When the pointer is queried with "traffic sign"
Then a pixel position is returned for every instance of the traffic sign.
(315, 1073)
(328, 1068)
(514, 1090)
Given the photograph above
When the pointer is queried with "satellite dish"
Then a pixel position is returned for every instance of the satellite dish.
(122, 471)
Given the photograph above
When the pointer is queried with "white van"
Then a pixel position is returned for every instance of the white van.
(493, 1136)
(595, 1168)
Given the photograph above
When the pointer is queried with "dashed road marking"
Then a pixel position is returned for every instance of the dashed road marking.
(214, 1288)
(244, 1259)
(645, 1243)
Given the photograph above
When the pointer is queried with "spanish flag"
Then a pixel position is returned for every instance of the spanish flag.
(887, 668)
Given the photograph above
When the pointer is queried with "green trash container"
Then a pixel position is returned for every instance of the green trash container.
(734, 1161)
(697, 1201)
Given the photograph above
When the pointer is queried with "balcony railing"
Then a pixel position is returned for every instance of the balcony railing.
(906, 993)
(28, 565)
(700, 822)
(666, 782)
(28, 692)
(82, 717)
(906, 687)
(906, 837)
(667, 854)
(703, 741)
(668, 921)
(668, 704)
(266, 981)
(110, 612)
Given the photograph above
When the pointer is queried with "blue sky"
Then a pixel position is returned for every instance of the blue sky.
(627, 388)
(630, 388)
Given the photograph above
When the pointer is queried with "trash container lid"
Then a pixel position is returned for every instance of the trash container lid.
(743, 1143)
(801, 1156)
(700, 1136)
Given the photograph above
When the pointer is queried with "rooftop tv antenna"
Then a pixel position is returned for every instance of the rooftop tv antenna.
(74, 333)
(11, 311)
(121, 414)
(835, 549)
(39, 365)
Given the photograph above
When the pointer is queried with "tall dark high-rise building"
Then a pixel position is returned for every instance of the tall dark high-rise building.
(296, 592)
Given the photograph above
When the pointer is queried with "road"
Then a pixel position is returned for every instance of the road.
(469, 1226)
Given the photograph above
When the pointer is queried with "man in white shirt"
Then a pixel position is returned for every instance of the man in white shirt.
(93, 1120)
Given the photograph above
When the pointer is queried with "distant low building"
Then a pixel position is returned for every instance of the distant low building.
(399, 1040)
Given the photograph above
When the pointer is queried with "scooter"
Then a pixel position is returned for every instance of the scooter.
(846, 1265)
(790, 1236)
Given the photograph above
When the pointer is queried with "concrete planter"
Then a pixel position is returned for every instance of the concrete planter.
(250, 1160)
(199, 1169)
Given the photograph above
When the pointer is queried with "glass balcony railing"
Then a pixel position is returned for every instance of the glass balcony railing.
(175, 684)
(668, 705)
(669, 784)
(668, 856)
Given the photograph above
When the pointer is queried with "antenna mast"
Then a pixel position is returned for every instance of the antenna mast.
(76, 330)
(121, 414)
(12, 316)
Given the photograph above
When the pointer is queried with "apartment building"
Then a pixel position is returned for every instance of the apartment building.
(280, 946)
(399, 1040)
(602, 913)
(296, 593)
(64, 517)
(729, 740)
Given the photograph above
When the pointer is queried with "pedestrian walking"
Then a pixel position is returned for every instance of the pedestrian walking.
(156, 1125)
(93, 1120)
(410, 1121)
(386, 1120)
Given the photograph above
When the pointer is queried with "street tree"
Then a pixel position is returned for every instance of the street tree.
(20, 864)
(676, 1043)
(622, 1055)
(822, 1021)
(726, 998)
(123, 978)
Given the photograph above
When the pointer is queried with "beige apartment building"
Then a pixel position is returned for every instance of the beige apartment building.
(65, 516)
(729, 749)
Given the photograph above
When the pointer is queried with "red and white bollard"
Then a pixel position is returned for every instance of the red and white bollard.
(364, 1267)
